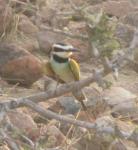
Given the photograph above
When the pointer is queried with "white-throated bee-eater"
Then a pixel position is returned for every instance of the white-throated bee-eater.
(64, 69)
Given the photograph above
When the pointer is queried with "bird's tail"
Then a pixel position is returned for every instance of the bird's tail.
(80, 96)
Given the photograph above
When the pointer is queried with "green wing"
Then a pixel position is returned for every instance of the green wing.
(48, 71)
(75, 69)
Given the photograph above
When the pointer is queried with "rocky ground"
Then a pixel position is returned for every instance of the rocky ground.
(24, 48)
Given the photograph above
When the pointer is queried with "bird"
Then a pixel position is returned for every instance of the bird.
(62, 68)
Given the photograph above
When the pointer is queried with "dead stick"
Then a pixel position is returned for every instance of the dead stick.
(49, 114)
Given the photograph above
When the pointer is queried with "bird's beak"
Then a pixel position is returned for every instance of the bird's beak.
(71, 51)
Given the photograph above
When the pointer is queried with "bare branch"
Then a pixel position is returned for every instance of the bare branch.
(8, 126)
(28, 141)
(120, 61)
(12, 145)
(49, 114)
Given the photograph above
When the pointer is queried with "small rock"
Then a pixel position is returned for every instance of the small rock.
(29, 44)
(66, 104)
(122, 102)
(24, 123)
(18, 66)
(128, 111)
(55, 135)
(27, 27)
(118, 95)
(69, 105)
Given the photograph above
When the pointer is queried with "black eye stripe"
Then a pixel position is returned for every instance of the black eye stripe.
(63, 44)
(59, 50)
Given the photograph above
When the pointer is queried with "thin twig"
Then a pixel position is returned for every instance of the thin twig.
(5, 137)
(49, 114)
(66, 88)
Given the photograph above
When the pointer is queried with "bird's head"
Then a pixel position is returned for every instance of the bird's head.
(63, 50)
